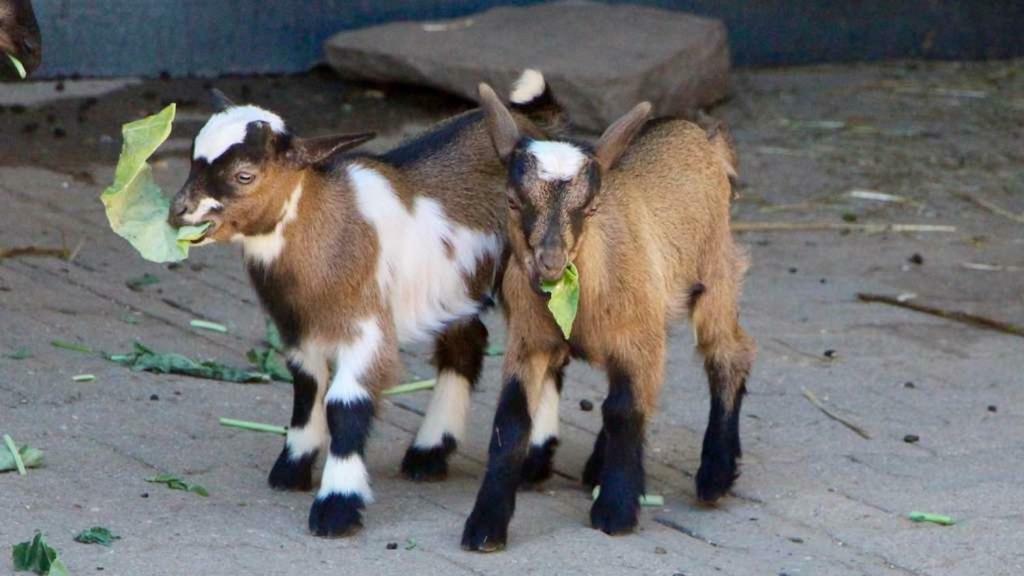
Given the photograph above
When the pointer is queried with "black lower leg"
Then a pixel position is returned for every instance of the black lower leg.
(592, 470)
(721, 449)
(540, 459)
(458, 356)
(344, 489)
(293, 469)
(622, 474)
(487, 527)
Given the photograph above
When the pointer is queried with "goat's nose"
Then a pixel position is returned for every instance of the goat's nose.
(552, 264)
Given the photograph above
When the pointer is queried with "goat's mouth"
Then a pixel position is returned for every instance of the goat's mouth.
(211, 227)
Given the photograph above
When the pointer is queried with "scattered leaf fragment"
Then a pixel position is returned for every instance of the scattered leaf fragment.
(253, 426)
(648, 500)
(19, 354)
(97, 535)
(494, 350)
(136, 208)
(38, 557)
(207, 325)
(933, 518)
(273, 337)
(565, 298)
(138, 283)
(12, 448)
(268, 363)
(145, 359)
(83, 378)
(408, 387)
(30, 457)
(74, 347)
(18, 66)
(175, 483)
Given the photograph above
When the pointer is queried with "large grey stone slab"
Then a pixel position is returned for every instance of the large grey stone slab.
(599, 59)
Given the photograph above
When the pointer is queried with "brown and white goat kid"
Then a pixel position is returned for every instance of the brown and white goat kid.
(647, 226)
(351, 255)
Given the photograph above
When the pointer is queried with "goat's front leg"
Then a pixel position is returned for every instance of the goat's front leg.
(487, 527)
(634, 383)
(459, 357)
(364, 365)
(539, 463)
(307, 432)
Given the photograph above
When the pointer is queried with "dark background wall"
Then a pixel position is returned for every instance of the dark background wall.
(213, 37)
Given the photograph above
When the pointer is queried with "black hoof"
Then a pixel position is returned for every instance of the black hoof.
(487, 528)
(428, 464)
(615, 515)
(288, 474)
(336, 516)
(539, 463)
(715, 476)
(592, 469)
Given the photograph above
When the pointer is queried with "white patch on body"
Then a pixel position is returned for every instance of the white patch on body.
(446, 414)
(206, 205)
(225, 129)
(545, 419)
(424, 257)
(528, 86)
(314, 435)
(556, 160)
(353, 359)
(265, 248)
(345, 476)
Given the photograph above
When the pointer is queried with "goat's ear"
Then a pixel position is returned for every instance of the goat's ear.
(220, 100)
(501, 125)
(312, 151)
(617, 137)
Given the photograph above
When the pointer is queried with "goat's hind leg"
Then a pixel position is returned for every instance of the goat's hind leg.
(458, 355)
(307, 432)
(728, 355)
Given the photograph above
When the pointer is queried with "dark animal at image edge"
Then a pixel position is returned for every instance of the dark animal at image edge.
(644, 216)
(19, 37)
(352, 254)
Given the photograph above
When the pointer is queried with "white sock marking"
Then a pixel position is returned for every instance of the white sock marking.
(528, 86)
(424, 257)
(545, 419)
(352, 362)
(265, 248)
(314, 435)
(225, 129)
(446, 414)
(556, 160)
(345, 476)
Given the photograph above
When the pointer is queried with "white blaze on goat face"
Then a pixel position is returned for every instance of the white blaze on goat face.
(528, 86)
(424, 257)
(347, 476)
(265, 248)
(307, 439)
(545, 419)
(556, 161)
(206, 205)
(446, 414)
(225, 129)
(353, 361)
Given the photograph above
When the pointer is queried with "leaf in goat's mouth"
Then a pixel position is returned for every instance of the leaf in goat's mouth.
(565, 298)
(136, 207)
(18, 66)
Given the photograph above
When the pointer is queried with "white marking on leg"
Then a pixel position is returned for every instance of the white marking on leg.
(556, 161)
(545, 419)
(314, 435)
(446, 414)
(346, 476)
(206, 205)
(265, 248)
(424, 257)
(352, 362)
(225, 129)
(528, 86)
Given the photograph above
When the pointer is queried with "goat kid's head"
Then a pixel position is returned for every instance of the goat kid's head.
(19, 37)
(245, 166)
(554, 186)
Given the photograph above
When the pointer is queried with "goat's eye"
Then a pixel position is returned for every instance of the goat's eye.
(244, 177)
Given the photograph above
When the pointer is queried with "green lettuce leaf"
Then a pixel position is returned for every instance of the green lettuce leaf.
(97, 535)
(565, 298)
(136, 208)
(175, 483)
(37, 556)
(145, 359)
(30, 457)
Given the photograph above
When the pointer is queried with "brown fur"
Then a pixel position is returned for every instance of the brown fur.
(19, 36)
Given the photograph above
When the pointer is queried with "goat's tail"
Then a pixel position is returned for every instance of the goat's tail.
(723, 144)
(531, 96)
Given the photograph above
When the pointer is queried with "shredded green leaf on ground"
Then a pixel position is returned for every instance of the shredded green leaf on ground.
(565, 298)
(19, 354)
(137, 284)
(18, 66)
(136, 207)
(933, 518)
(74, 347)
(268, 363)
(30, 457)
(175, 483)
(273, 337)
(97, 535)
(207, 325)
(253, 426)
(38, 557)
(144, 359)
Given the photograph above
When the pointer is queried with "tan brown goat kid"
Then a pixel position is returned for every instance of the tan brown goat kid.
(644, 216)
